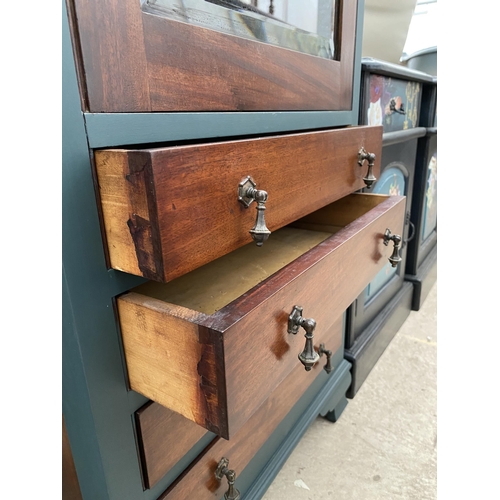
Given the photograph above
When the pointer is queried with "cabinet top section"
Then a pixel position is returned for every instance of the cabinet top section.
(132, 58)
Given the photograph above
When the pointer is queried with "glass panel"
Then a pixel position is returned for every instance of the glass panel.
(391, 182)
(303, 25)
(429, 219)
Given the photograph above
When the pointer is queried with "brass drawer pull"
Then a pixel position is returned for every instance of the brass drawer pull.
(232, 493)
(370, 158)
(247, 194)
(394, 259)
(308, 357)
(328, 367)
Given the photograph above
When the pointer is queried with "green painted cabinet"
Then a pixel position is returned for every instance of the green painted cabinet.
(105, 105)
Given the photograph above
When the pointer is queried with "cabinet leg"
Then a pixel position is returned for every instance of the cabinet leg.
(334, 415)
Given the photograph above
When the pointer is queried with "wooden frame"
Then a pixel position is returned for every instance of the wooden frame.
(167, 65)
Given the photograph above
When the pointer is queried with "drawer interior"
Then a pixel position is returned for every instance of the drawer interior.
(214, 285)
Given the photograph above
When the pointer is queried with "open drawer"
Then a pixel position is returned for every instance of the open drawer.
(169, 210)
(214, 343)
(165, 437)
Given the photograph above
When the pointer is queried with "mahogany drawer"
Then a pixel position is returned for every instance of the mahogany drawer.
(167, 211)
(191, 344)
(164, 436)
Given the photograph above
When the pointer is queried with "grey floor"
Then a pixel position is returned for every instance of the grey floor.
(384, 444)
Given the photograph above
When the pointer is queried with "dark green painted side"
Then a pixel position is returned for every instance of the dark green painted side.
(335, 414)
(356, 85)
(117, 129)
(96, 403)
(76, 409)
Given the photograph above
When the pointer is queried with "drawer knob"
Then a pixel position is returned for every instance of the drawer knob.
(232, 493)
(247, 194)
(328, 367)
(370, 158)
(308, 357)
(394, 259)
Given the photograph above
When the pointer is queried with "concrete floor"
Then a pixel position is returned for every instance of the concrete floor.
(384, 444)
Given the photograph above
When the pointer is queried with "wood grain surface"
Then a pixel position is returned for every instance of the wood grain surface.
(110, 35)
(135, 61)
(166, 436)
(324, 281)
(197, 364)
(168, 211)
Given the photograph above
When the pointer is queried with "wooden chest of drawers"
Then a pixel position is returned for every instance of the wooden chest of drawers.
(190, 343)
(176, 323)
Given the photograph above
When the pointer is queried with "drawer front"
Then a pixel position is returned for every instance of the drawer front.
(168, 211)
(197, 364)
(164, 438)
(391, 102)
(160, 448)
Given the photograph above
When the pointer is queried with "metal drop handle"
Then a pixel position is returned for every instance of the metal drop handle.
(393, 107)
(394, 259)
(370, 158)
(328, 367)
(232, 493)
(247, 194)
(308, 357)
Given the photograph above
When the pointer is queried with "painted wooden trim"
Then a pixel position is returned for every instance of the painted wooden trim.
(118, 129)
(390, 138)
(389, 69)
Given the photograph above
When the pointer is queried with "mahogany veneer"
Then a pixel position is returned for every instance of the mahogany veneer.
(199, 476)
(167, 211)
(165, 436)
(194, 357)
(136, 61)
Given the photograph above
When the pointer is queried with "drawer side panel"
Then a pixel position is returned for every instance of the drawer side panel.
(174, 361)
(129, 212)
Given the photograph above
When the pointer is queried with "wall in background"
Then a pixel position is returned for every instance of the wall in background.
(385, 29)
